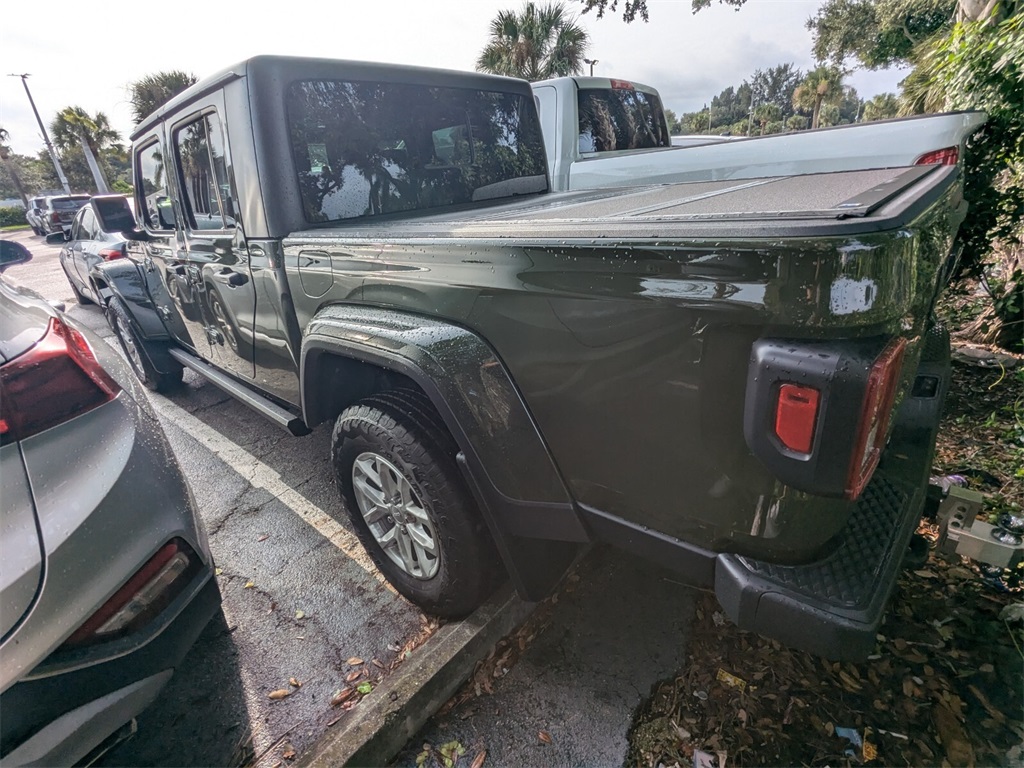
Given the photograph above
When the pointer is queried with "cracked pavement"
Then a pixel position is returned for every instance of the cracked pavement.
(613, 633)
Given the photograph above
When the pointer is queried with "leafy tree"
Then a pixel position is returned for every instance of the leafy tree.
(823, 85)
(881, 107)
(775, 85)
(797, 123)
(674, 124)
(633, 8)
(153, 91)
(534, 44)
(877, 33)
(980, 65)
(765, 114)
(9, 166)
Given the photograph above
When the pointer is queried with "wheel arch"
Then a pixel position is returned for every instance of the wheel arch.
(352, 352)
(122, 278)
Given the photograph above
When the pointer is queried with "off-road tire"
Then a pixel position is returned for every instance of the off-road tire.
(402, 427)
(137, 351)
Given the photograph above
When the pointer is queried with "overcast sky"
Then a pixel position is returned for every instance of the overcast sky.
(86, 54)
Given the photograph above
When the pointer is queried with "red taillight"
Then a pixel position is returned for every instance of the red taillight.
(54, 381)
(874, 417)
(109, 254)
(947, 156)
(796, 413)
(622, 85)
(55, 217)
(142, 597)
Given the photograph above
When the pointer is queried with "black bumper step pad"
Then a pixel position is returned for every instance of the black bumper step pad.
(831, 607)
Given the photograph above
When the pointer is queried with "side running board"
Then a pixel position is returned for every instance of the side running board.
(262, 405)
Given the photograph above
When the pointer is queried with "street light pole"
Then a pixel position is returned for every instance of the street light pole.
(46, 138)
(591, 62)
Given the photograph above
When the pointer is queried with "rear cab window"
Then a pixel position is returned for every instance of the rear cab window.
(202, 160)
(620, 117)
(366, 149)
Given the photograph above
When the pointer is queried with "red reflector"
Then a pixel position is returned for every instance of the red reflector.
(796, 413)
(873, 427)
(622, 85)
(54, 381)
(109, 254)
(947, 156)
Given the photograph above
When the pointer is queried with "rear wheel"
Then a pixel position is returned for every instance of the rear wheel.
(395, 466)
(137, 350)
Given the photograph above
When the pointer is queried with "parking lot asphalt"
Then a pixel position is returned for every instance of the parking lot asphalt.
(301, 600)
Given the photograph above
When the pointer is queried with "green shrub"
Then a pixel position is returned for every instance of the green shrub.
(12, 216)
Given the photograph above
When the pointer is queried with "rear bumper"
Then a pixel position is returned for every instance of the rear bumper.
(832, 607)
(60, 718)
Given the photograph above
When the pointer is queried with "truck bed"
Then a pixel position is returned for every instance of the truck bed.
(841, 203)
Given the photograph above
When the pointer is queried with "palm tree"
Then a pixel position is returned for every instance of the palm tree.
(537, 43)
(823, 85)
(153, 91)
(93, 134)
(881, 107)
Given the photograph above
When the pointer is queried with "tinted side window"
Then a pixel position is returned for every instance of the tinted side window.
(151, 180)
(204, 170)
(364, 149)
(620, 118)
(87, 225)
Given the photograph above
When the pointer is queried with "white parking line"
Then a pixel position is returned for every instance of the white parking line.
(268, 479)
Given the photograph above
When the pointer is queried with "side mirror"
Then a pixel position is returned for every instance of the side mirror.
(115, 216)
(57, 238)
(12, 253)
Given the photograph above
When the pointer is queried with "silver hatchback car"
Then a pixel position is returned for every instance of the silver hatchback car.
(106, 577)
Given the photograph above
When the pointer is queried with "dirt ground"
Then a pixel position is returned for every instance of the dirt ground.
(944, 686)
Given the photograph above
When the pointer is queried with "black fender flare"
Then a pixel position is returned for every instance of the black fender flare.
(507, 464)
(123, 279)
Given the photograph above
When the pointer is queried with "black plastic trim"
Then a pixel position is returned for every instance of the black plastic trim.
(833, 607)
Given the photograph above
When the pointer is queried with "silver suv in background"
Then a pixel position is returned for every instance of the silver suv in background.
(34, 214)
(58, 212)
(106, 578)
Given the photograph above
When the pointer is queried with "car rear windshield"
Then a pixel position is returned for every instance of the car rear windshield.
(72, 203)
(620, 118)
(365, 149)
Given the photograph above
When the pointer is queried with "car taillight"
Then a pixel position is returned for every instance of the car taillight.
(947, 156)
(143, 596)
(109, 254)
(796, 413)
(55, 217)
(874, 417)
(622, 85)
(56, 380)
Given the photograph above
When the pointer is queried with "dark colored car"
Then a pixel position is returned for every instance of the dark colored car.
(85, 246)
(106, 578)
(58, 211)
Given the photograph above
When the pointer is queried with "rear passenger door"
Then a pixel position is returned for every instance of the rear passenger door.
(217, 260)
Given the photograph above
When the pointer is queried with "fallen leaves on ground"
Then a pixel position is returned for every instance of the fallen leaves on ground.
(945, 685)
(281, 693)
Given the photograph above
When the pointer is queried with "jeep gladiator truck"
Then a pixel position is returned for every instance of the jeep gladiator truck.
(739, 380)
(603, 132)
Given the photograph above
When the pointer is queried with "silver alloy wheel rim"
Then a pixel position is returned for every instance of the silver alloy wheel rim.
(395, 515)
(129, 346)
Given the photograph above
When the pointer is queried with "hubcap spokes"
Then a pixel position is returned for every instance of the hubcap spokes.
(395, 515)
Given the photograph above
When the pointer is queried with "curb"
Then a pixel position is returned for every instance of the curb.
(385, 721)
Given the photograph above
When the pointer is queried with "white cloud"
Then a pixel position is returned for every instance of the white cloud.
(87, 56)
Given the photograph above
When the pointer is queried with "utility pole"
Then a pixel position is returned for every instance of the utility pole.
(591, 62)
(46, 138)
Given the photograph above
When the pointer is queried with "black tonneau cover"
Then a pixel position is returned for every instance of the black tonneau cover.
(846, 202)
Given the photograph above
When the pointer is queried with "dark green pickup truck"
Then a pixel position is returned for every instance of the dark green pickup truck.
(740, 380)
